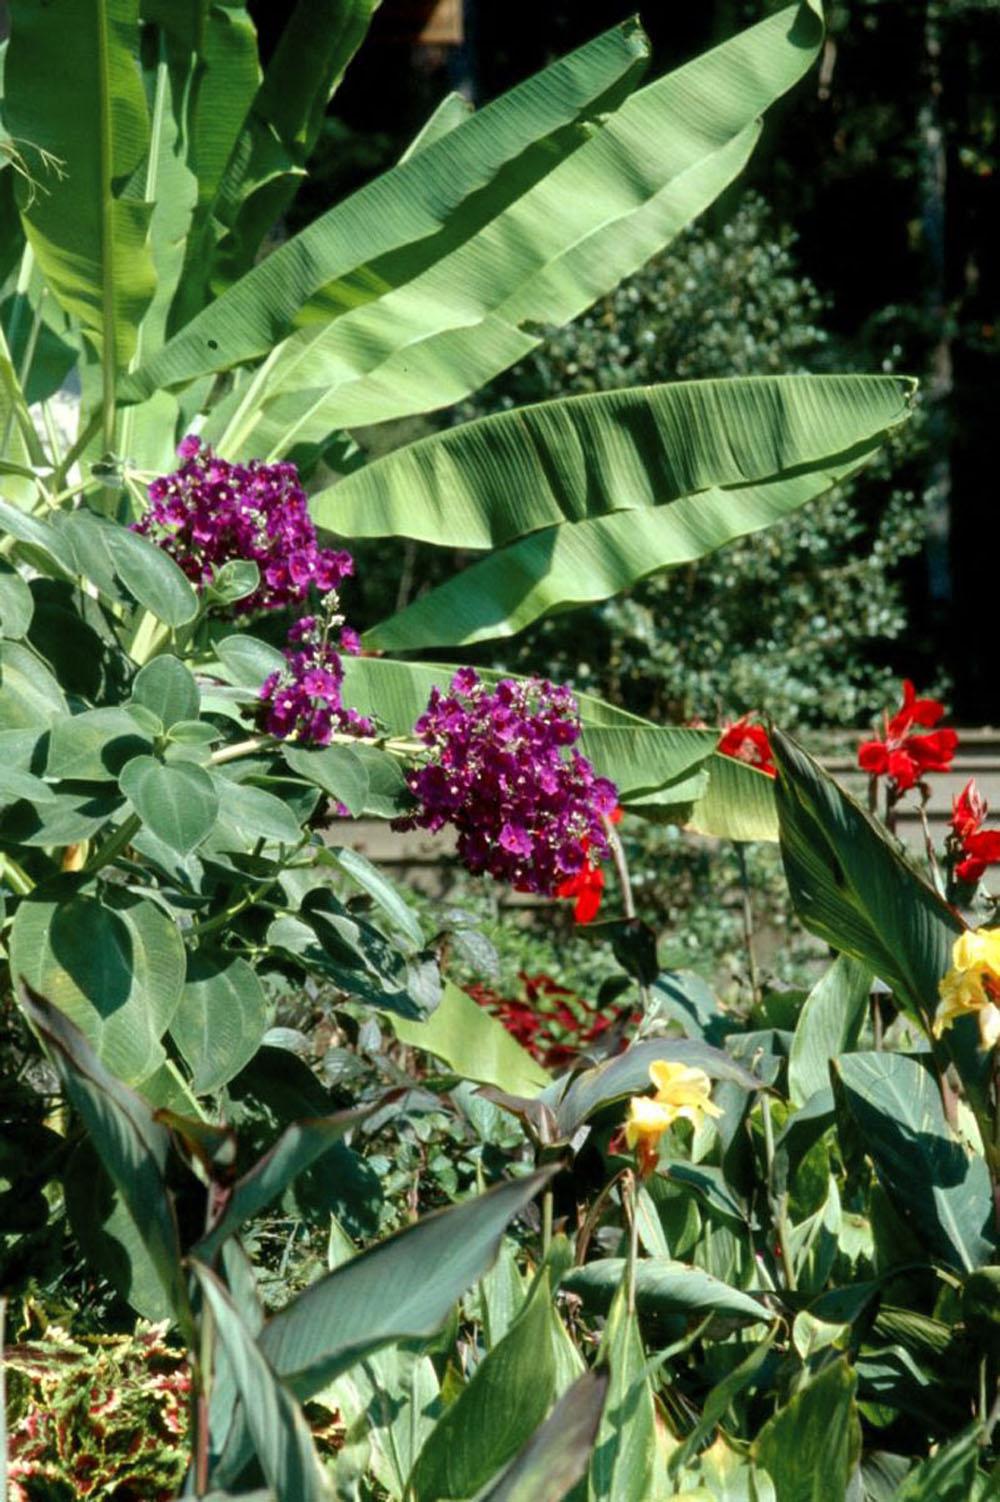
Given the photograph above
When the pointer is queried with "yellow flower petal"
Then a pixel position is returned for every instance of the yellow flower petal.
(977, 948)
(989, 1025)
(683, 1087)
(648, 1119)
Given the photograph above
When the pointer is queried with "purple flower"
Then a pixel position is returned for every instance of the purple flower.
(498, 771)
(210, 511)
(303, 699)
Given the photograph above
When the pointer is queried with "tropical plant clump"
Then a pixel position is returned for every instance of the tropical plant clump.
(386, 1248)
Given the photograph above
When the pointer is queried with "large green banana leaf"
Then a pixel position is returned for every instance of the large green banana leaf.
(404, 221)
(585, 480)
(578, 458)
(74, 102)
(268, 163)
(660, 159)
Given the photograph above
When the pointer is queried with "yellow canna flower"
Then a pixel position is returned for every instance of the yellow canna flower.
(681, 1092)
(685, 1090)
(972, 985)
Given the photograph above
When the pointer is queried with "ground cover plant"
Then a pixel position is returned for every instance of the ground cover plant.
(384, 1248)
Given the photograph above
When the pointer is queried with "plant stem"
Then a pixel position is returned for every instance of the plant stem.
(625, 883)
(151, 636)
(108, 331)
(242, 748)
(15, 876)
(586, 1231)
(629, 1206)
(114, 844)
(748, 924)
(203, 1414)
(547, 1208)
(621, 867)
(72, 454)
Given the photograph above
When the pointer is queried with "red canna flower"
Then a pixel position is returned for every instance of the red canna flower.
(968, 811)
(977, 847)
(900, 755)
(749, 743)
(587, 886)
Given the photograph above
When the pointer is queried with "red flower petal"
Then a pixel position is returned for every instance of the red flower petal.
(873, 757)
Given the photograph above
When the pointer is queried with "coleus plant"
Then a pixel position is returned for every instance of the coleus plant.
(165, 770)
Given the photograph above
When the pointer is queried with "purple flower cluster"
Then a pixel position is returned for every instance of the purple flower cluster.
(525, 811)
(302, 700)
(209, 511)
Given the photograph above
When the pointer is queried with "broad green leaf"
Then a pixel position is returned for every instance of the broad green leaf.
(496, 1412)
(39, 538)
(211, 51)
(248, 660)
(811, 1446)
(801, 1132)
(382, 892)
(234, 581)
(734, 802)
(396, 693)
(167, 688)
(95, 745)
(220, 1019)
(85, 136)
(283, 123)
(595, 218)
(582, 458)
(131, 1145)
(473, 1044)
(30, 698)
(621, 1467)
(829, 1024)
(63, 818)
(335, 769)
(720, 1399)
(628, 1074)
(453, 110)
(281, 1437)
(171, 187)
(109, 1238)
(253, 814)
(502, 1293)
(853, 887)
(394, 1395)
(403, 1288)
(394, 227)
(352, 954)
(151, 575)
(114, 964)
(178, 801)
(16, 784)
(16, 603)
(558, 1453)
(663, 1287)
(939, 1187)
(585, 562)
(641, 758)
(298, 1148)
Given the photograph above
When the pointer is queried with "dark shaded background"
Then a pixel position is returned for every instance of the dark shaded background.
(885, 163)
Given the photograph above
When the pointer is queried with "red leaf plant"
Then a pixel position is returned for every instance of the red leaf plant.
(552, 1022)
